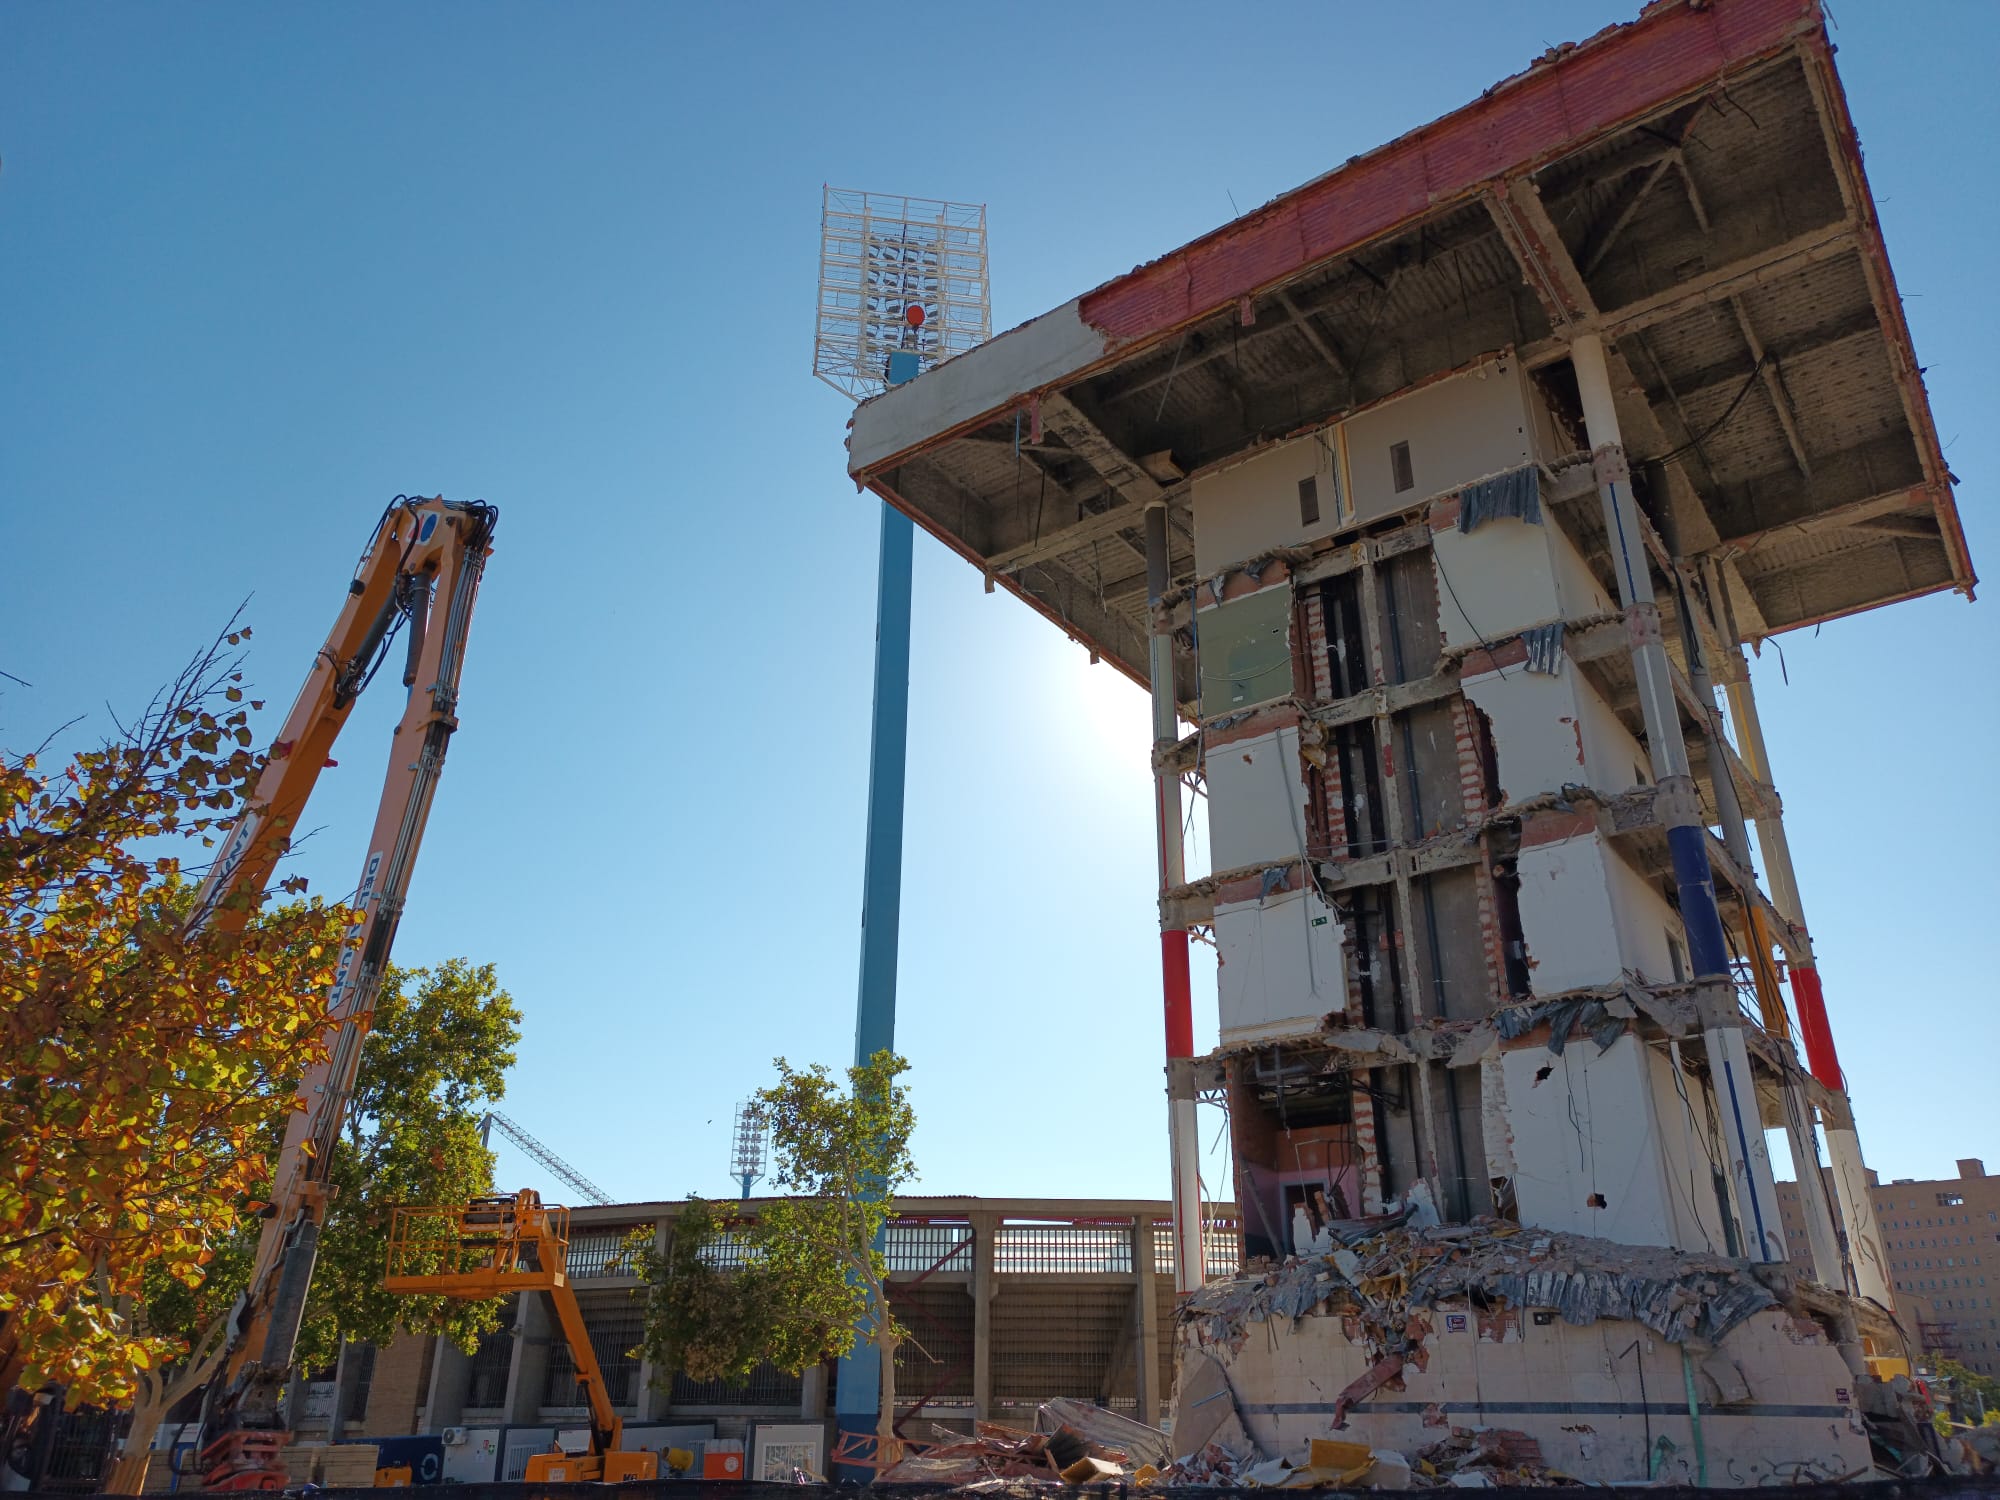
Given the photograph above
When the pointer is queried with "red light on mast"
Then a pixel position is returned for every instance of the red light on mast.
(914, 315)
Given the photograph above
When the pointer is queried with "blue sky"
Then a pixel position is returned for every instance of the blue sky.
(267, 266)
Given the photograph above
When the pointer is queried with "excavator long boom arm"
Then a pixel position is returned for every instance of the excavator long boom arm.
(420, 572)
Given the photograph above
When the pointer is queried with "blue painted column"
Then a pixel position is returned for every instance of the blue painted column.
(857, 1400)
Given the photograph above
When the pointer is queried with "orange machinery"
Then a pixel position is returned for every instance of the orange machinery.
(420, 570)
(493, 1246)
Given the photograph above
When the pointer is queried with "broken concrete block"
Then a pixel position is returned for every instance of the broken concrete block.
(1271, 1473)
(1390, 1471)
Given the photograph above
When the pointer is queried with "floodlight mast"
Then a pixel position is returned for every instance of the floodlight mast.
(902, 287)
(880, 255)
(746, 1155)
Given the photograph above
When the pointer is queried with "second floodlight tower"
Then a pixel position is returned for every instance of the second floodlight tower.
(902, 287)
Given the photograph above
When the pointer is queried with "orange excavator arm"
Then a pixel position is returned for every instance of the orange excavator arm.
(419, 573)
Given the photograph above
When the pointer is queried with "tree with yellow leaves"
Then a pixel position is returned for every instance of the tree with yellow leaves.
(139, 1065)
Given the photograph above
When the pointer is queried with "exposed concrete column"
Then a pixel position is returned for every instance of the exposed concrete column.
(1680, 807)
(1183, 1141)
(1869, 1265)
(1146, 1327)
(812, 1394)
(528, 1373)
(1799, 1131)
(983, 1286)
(650, 1400)
(1857, 1209)
(451, 1383)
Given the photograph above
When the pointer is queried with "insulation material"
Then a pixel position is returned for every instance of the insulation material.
(1279, 968)
(1256, 801)
(1585, 1131)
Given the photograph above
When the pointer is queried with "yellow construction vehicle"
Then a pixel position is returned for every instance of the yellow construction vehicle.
(420, 571)
(493, 1246)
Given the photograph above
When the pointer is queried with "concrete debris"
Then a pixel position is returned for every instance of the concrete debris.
(1105, 1430)
(1074, 1443)
(1564, 1018)
(1208, 1420)
(1468, 1458)
(1395, 1270)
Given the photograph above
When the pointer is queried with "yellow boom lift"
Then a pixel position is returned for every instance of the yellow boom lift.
(493, 1246)
(420, 571)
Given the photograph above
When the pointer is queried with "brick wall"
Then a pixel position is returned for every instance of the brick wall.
(400, 1386)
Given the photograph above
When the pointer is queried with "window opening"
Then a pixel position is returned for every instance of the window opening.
(1399, 466)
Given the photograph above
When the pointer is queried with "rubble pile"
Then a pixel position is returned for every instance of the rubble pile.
(1073, 1443)
(1388, 1272)
(1385, 1278)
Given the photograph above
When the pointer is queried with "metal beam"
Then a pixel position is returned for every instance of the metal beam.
(1736, 277)
(1322, 344)
(1774, 387)
(1537, 246)
(1601, 241)
(1911, 501)
(1088, 442)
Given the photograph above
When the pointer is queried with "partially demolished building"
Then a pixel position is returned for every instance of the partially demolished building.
(1441, 496)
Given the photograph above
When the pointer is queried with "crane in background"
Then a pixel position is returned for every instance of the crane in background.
(422, 551)
(542, 1154)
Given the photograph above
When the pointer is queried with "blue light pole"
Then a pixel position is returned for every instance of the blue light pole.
(858, 1394)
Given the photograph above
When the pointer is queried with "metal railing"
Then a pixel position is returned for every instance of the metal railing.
(928, 1246)
(487, 1237)
(1076, 1249)
(1221, 1250)
(603, 1253)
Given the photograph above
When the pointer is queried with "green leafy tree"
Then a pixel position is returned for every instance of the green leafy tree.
(1972, 1393)
(812, 1280)
(437, 1051)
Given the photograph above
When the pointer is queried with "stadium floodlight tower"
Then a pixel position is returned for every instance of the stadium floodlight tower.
(902, 287)
(746, 1150)
(880, 256)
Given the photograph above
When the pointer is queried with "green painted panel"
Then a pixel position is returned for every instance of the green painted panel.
(1246, 651)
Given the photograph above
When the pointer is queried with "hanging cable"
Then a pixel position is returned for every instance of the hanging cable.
(1716, 426)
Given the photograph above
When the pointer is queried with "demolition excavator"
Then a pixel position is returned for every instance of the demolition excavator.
(496, 1245)
(419, 575)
